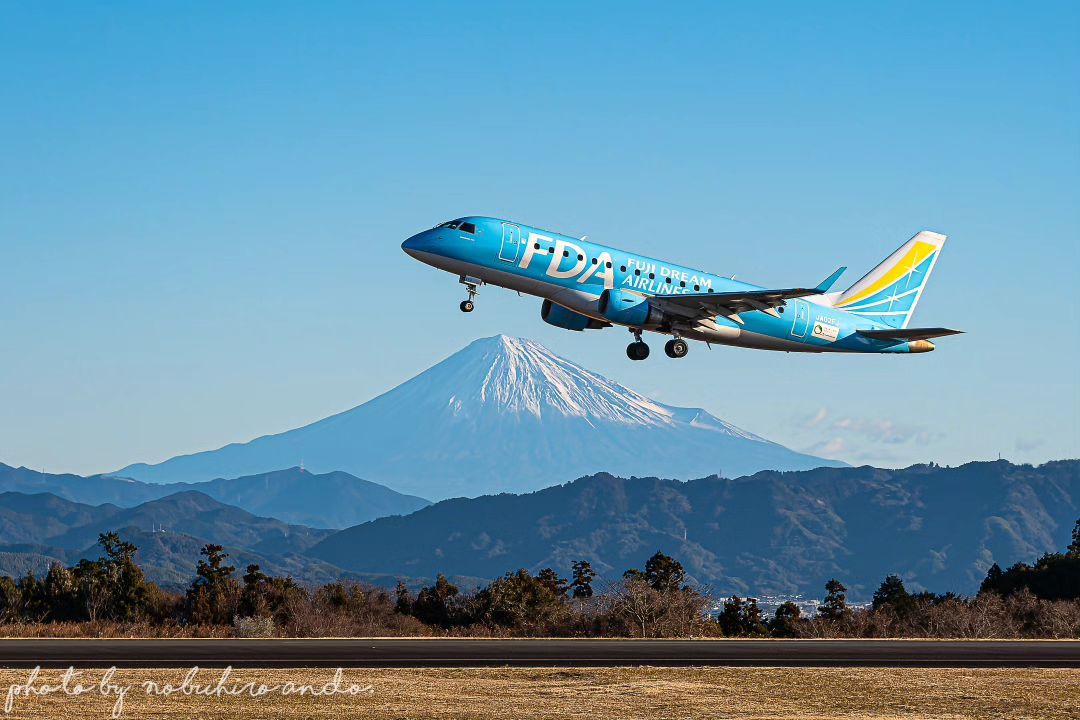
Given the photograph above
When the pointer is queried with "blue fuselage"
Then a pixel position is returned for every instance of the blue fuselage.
(573, 273)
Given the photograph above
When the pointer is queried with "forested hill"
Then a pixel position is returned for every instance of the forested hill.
(772, 532)
(299, 497)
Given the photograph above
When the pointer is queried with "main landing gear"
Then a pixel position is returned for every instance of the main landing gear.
(473, 286)
(637, 350)
(676, 348)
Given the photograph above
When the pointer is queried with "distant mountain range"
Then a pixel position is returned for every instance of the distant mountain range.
(330, 500)
(769, 533)
(502, 415)
(36, 529)
(783, 533)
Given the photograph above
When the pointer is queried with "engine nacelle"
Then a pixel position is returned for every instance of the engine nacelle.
(557, 315)
(627, 308)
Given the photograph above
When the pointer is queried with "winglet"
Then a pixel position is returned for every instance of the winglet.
(824, 285)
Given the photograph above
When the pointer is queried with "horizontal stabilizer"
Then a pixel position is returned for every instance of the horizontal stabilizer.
(824, 285)
(909, 334)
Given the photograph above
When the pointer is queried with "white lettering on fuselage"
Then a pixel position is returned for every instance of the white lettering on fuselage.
(569, 260)
(826, 328)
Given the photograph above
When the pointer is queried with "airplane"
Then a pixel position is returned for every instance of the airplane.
(587, 286)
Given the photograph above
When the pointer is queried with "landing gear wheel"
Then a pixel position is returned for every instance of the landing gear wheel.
(676, 348)
(637, 350)
(472, 286)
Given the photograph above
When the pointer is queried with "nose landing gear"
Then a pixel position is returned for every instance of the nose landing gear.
(473, 286)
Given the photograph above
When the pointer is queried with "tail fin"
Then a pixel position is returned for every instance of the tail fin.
(889, 293)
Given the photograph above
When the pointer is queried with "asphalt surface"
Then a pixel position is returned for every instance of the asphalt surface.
(452, 652)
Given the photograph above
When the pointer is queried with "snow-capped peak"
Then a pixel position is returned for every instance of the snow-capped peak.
(517, 375)
(524, 376)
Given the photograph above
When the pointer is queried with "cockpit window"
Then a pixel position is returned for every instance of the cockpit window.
(459, 225)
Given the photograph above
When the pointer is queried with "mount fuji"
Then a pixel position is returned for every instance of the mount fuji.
(502, 415)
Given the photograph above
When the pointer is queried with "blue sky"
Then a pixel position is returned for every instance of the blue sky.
(201, 207)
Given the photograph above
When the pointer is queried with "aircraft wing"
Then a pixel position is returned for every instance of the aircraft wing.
(908, 334)
(694, 306)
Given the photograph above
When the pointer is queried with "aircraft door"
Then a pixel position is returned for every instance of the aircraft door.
(802, 317)
(511, 243)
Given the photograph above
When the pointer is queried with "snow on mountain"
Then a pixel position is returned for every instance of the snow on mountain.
(502, 415)
(522, 376)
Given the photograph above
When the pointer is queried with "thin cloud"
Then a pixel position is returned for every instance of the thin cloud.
(874, 456)
(1028, 444)
(812, 420)
(828, 448)
(883, 431)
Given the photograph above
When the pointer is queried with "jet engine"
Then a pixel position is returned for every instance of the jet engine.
(557, 315)
(627, 308)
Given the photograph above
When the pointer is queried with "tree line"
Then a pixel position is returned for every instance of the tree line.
(111, 595)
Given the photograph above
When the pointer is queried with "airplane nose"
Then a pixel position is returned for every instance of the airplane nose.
(412, 245)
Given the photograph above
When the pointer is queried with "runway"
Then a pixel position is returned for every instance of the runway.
(454, 652)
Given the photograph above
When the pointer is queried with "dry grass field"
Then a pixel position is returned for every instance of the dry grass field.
(646, 693)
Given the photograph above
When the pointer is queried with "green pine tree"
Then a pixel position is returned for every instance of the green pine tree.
(664, 573)
(834, 608)
(582, 580)
(213, 596)
(892, 593)
(786, 621)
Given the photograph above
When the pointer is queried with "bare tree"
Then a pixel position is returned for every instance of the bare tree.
(639, 604)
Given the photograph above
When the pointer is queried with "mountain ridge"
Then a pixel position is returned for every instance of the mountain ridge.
(39, 528)
(771, 533)
(294, 495)
(76, 525)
